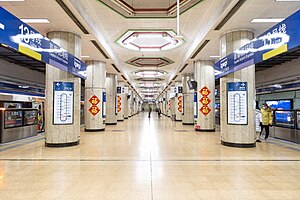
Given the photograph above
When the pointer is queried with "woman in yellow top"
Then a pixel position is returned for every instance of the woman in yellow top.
(267, 119)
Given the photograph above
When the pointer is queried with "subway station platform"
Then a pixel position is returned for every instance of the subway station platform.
(149, 159)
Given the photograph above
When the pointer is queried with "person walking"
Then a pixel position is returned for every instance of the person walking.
(258, 120)
(267, 119)
(149, 114)
(158, 111)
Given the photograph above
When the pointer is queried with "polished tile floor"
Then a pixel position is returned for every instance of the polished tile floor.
(149, 159)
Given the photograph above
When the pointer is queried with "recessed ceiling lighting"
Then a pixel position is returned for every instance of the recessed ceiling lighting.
(85, 56)
(267, 20)
(35, 20)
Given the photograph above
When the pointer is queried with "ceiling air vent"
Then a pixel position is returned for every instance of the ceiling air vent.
(99, 48)
(230, 14)
(114, 66)
(123, 77)
(200, 48)
(183, 68)
(72, 16)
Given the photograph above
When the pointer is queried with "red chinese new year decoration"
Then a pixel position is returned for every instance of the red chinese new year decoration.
(205, 100)
(180, 103)
(119, 103)
(205, 110)
(94, 100)
(205, 91)
(94, 110)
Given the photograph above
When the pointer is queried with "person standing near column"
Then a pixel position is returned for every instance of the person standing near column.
(258, 119)
(267, 119)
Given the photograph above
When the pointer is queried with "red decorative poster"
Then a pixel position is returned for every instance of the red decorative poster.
(94, 110)
(94, 100)
(205, 100)
(180, 103)
(119, 103)
(205, 91)
(169, 104)
(205, 110)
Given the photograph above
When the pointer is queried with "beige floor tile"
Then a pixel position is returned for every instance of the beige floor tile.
(149, 160)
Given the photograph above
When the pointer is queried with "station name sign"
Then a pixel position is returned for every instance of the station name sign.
(281, 38)
(21, 37)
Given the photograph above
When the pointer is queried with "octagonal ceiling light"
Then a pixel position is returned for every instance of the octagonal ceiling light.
(149, 40)
(149, 61)
(149, 73)
(148, 80)
(149, 90)
(151, 85)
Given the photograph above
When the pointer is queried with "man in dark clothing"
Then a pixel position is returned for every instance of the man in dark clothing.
(149, 112)
(158, 112)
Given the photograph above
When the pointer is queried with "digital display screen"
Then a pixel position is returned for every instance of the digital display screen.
(285, 118)
(280, 104)
(192, 84)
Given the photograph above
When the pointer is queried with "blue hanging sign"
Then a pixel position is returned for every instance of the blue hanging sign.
(279, 39)
(23, 38)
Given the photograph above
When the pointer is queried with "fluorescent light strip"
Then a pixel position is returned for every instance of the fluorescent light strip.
(214, 56)
(35, 20)
(85, 56)
(267, 20)
(10, 0)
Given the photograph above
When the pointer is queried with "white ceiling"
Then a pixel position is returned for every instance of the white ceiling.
(105, 26)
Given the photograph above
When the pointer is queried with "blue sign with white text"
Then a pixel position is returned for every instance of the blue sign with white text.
(23, 38)
(237, 86)
(281, 38)
(63, 86)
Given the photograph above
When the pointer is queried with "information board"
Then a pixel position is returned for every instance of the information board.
(63, 103)
(237, 105)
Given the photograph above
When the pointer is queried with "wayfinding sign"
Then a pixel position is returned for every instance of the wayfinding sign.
(279, 39)
(63, 103)
(21, 37)
(237, 105)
